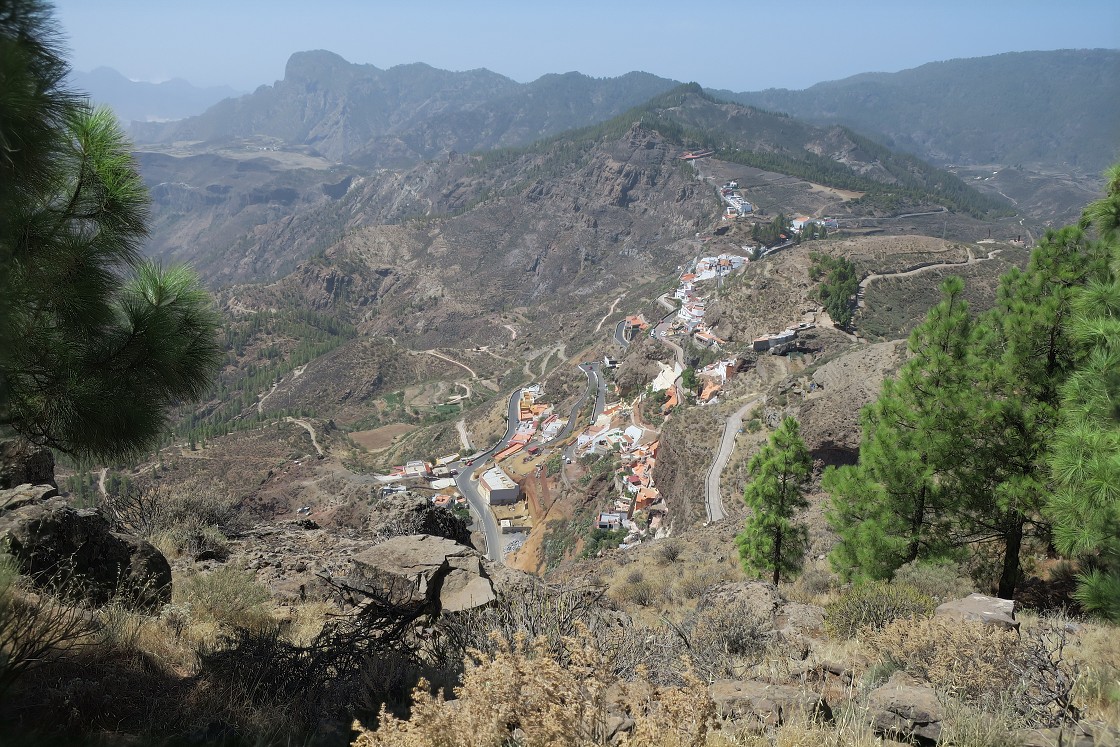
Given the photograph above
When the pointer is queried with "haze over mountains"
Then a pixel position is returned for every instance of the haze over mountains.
(1056, 109)
(142, 101)
(1005, 109)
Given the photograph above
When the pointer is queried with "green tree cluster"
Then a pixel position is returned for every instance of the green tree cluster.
(1085, 458)
(839, 285)
(95, 342)
(961, 453)
(772, 541)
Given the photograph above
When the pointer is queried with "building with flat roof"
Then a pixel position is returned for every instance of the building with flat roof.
(498, 488)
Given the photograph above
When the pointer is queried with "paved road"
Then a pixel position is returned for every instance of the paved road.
(620, 334)
(469, 489)
(600, 382)
(590, 370)
(662, 328)
(713, 500)
(779, 247)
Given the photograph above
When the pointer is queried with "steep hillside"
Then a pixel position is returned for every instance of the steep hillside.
(360, 113)
(1058, 110)
(832, 155)
(429, 253)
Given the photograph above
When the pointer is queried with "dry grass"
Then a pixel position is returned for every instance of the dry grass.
(522, 695)
(968, 661)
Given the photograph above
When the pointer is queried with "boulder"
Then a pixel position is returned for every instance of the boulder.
(980, 608)
(761, 702)
(905, 708)
(24, 463)
(413, 514)
(25, 495)
(793, 622)
(422, 570)
(73, 549)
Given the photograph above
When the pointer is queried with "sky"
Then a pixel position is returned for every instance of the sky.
(740, 45)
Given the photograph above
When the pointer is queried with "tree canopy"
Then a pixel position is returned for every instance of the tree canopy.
(962, 452)
(97, 343)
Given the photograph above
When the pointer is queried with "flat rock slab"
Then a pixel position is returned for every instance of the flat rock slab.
(980, 608)
(772, 705)
(423, 569)
(26, 495)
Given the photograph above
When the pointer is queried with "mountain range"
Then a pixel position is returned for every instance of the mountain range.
(1056, 110)
(141, 101)
(1007, 109)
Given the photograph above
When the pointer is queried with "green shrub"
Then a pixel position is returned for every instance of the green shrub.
(228, 597)
(874, 605)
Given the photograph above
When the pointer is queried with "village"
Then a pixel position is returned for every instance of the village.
(539, 438)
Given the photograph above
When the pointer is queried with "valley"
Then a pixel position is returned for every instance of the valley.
(589, 411)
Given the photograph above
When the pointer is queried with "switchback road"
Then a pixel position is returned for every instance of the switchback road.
(713, 500)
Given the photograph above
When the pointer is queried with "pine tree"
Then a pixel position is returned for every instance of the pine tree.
(888, 509)
(771, 540)
(1085, 459)
(95, 343)
(1024, 353)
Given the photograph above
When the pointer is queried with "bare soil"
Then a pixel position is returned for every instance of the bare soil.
(380, 438)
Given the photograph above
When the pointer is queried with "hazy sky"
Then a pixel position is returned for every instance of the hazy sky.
(738, 44)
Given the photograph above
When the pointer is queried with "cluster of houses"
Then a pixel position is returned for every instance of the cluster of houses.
(736, 205)
(797, 224)
(535, 420)
(632, 325)
(614, 432)
(690, 316)
(713, 377)
(437, 476)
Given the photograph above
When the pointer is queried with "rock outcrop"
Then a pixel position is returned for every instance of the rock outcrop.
(422, 570)
(23, 463)
(769, 705)
(905, 708)
(75, 551)
(980, 608)
(413, 513)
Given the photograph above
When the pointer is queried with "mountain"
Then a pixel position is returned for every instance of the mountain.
(360, 113)
(1055, 110)
(244, 216)
(147, 102)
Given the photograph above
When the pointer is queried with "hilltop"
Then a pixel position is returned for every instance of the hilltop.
(364, 115)
(1053, 111)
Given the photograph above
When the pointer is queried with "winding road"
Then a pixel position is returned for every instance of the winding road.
(591, 370)
(610, 311)
(441, 356)
(469, 489)
(620, 334)
(713, 499)
(310, 429)
(972, 260)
